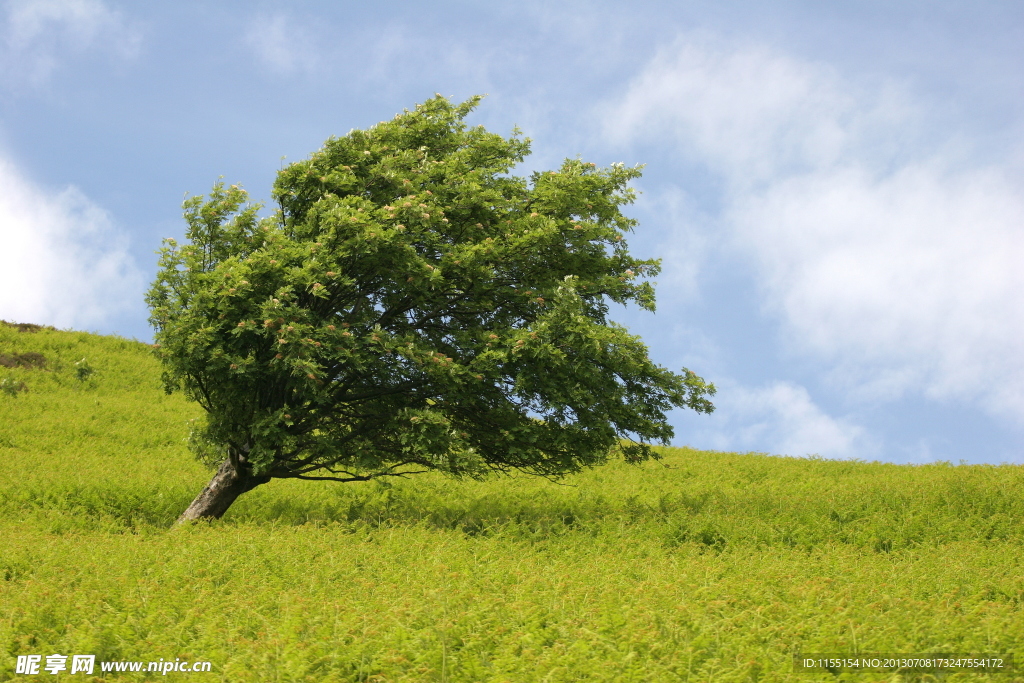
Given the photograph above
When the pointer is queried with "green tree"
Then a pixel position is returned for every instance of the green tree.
(412, 306)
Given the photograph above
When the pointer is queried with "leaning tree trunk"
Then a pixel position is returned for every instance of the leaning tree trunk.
(229, 483)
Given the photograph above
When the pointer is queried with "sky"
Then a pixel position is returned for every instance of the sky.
(835, 189)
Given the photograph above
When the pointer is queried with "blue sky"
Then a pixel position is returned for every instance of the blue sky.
(836, 189)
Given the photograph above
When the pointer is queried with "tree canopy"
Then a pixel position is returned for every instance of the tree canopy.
(413, 305)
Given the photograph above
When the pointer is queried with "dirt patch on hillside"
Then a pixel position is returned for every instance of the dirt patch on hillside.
(23, 360)
(27, 327)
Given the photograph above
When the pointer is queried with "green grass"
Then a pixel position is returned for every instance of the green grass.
(702, 567)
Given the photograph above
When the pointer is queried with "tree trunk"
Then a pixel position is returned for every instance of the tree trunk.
(227, 485)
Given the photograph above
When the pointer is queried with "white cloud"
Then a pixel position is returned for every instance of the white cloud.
(911, 281)
(685, 245)
(884, 251)
(283, 45)
(63, 263)
(751, 113)
(780, 418)
(39, 34)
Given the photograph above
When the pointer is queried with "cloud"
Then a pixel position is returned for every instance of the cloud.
(281, 44)
(63, 262)
(780, 418)
(911, 281)
(748, 112)
(889, 255)
(685, 243)
(37, 35)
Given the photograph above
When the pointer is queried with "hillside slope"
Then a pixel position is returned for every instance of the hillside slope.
(704, 566)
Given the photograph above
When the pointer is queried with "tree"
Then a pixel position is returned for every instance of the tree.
(412, 306)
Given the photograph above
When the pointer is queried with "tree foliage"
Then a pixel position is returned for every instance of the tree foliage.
(412, 305)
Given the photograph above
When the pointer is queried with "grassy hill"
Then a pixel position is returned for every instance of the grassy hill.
(702, 567)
